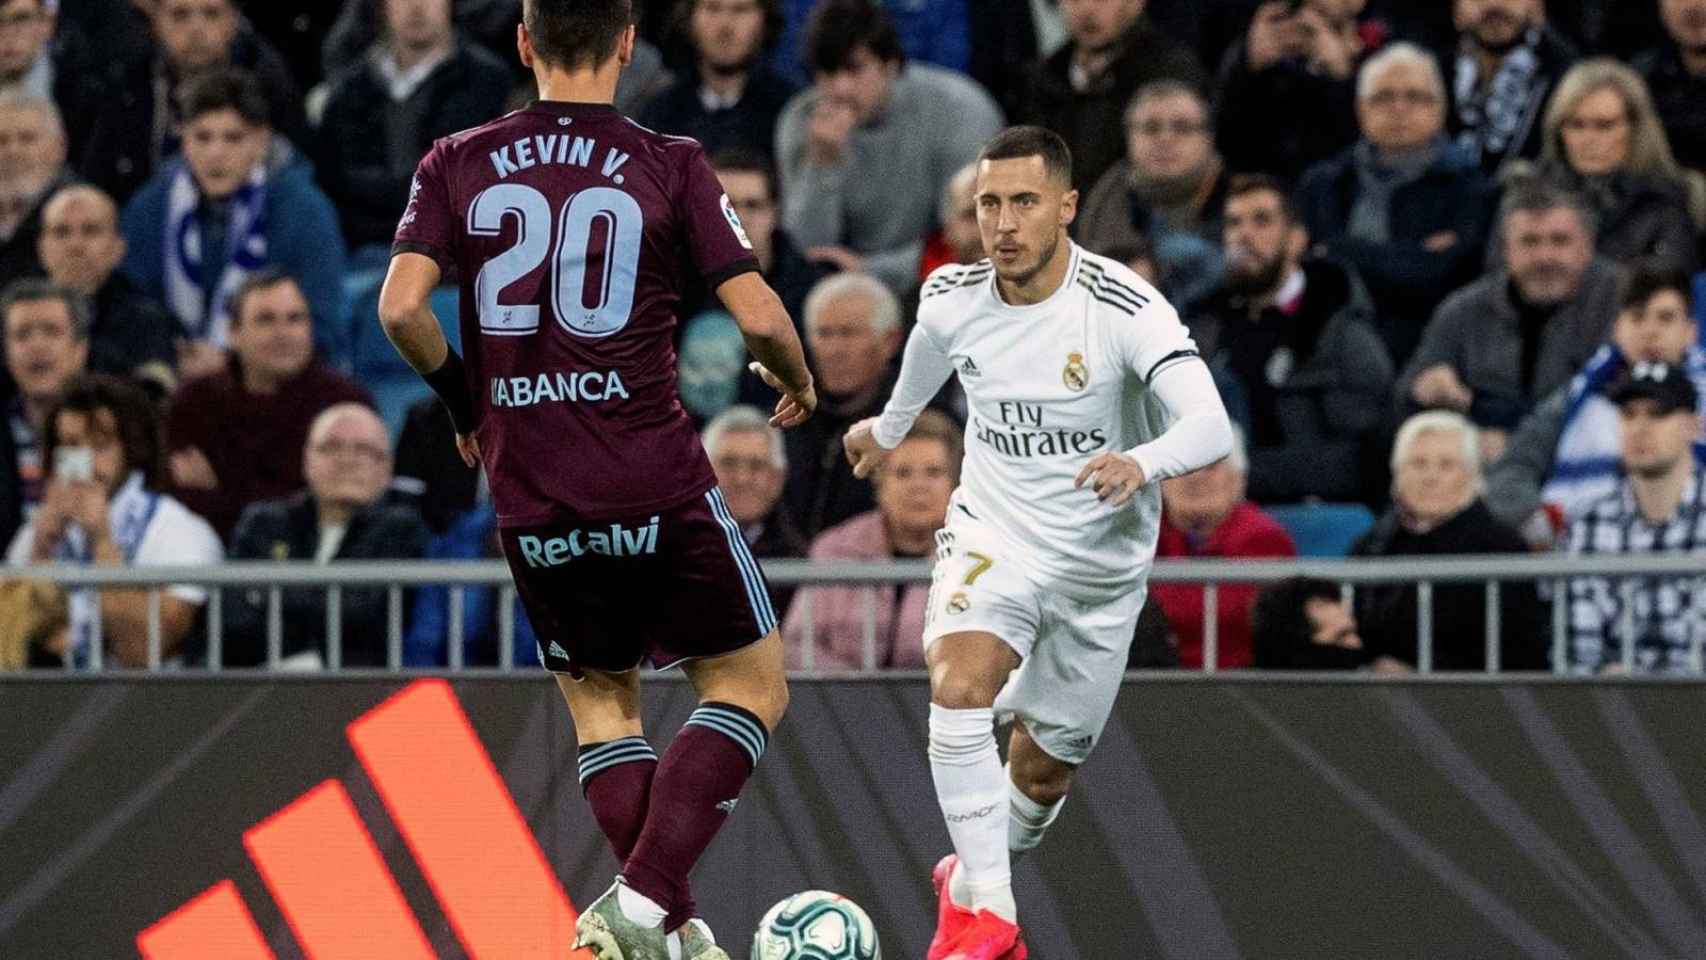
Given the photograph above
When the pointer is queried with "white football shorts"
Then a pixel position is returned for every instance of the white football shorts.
(1073, 652)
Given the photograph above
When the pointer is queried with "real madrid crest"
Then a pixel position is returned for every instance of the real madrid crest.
(959, 603)
(1076, 376)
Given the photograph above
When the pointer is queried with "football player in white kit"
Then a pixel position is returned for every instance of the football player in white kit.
(1083, 391)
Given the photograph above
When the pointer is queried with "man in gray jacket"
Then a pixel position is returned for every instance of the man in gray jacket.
(1294, 336)
(866, 151)
(1496, 346)
(1565, 456)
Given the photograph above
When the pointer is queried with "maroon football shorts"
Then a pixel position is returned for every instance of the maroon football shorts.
(664, 587)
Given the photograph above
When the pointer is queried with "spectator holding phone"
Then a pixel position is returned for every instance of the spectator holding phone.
(102, 507)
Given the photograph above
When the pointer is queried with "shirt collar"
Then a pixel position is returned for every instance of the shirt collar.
(402, 83)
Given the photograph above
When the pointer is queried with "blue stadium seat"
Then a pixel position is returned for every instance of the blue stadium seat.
(374, 357)
(1323, 529)
(394, 394)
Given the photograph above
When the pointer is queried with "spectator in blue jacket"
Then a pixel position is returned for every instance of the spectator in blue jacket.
(225, 210)
(1405, 208)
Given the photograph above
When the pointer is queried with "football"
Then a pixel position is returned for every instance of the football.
(816, 925)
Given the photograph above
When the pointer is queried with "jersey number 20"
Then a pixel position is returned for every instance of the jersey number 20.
(570, 252)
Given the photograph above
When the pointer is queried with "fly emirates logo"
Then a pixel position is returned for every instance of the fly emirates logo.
(579, 386)
(1022, 433)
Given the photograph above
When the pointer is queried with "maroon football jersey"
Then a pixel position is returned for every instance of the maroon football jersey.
(571, 230)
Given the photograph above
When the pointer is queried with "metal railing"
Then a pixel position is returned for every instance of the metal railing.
(459, 576)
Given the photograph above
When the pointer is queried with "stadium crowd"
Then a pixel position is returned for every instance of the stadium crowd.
(1441, 256)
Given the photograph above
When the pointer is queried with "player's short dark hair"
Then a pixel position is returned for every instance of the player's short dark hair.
(1244, 184)
(263, 279)
(747, 160)
(1647, 279)
(1279, 619)
(37, 289)
(229, 89)
(133, 413)
(573, 34)
(1015, 143)
(838, 28)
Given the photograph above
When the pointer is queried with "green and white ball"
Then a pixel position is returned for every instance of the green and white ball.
(816, 925)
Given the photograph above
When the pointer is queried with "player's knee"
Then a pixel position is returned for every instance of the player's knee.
(776, 704)
(963, 687)
(1045, 783)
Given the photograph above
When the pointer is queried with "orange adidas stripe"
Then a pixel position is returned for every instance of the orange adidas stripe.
(214, 926)
(477, 853)
(331, 883)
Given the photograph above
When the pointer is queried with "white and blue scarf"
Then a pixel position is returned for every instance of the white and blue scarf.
(1497, 122)
(1586, 465)
(188, 263)
(129, 514)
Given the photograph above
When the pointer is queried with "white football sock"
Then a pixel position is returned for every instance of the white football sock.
(972, 791)
(638, 907)
(1028, 820)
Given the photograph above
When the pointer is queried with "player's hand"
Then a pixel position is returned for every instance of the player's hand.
(795, 407)
(862, 449)
(1114, 477)
(827, 131)
(468, 446)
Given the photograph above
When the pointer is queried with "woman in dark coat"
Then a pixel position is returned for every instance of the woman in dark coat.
(1437, 511)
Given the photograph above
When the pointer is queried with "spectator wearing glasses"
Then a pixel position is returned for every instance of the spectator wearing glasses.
(1403, 207)
(1167, 191)
(342, 515)
(1652, 624)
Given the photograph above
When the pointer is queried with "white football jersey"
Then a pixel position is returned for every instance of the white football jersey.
(1049, 387)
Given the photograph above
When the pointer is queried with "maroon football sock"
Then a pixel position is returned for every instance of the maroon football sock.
(695, 790)
(616, 777)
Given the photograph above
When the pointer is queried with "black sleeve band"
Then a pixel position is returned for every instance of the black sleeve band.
(450, 382)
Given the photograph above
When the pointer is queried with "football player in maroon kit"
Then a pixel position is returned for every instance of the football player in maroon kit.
(570, 230)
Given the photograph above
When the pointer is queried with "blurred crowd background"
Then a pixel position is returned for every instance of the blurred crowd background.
(1442, 255)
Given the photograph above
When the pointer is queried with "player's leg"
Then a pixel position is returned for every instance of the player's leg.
(742, 696)
(967, 671)
(616, 761)
(1037, 789)
(717, 621)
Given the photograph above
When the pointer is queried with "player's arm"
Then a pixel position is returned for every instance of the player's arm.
(769, 333)
(405, 311)
(1200, 434)
(924, 367)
